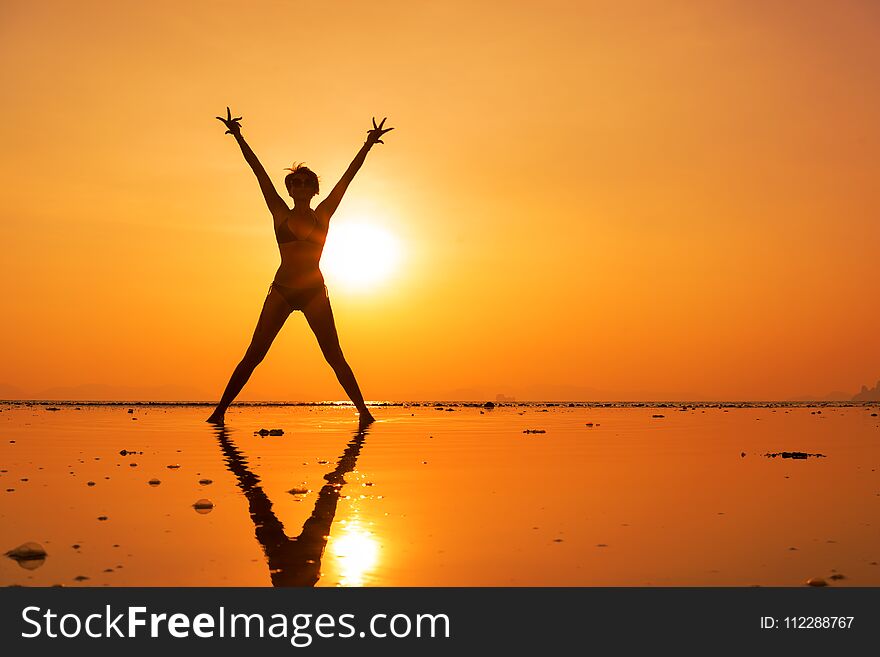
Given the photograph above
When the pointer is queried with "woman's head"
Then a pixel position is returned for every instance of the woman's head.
(301, 180)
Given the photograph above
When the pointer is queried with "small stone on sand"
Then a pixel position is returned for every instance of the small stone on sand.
(203, 505)
(27, 552)
(816, 581)
(269, 432)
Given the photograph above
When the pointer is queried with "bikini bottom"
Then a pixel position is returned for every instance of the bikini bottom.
(299, 298)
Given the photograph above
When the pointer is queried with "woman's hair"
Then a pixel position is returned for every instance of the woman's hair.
(300, 168)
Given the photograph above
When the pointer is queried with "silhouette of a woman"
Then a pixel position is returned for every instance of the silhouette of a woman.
(298, 283)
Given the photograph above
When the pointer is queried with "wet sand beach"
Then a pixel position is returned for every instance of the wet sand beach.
(441, 495)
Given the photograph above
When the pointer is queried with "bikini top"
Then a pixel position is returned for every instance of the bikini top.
(284, 234)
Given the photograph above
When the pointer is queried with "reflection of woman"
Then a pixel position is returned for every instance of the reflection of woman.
(298, 283)
(292, 560)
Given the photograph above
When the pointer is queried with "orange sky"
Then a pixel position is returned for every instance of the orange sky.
(594, 200)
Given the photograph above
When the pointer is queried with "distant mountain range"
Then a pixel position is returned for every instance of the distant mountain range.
(868, 394)
(865, 394)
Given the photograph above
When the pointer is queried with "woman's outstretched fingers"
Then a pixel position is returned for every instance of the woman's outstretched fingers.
(375, 135)
(232, 124)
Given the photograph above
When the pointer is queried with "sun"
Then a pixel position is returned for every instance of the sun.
(359, 255)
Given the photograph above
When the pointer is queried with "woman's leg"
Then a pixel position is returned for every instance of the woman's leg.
(319, 315)
(275, 312)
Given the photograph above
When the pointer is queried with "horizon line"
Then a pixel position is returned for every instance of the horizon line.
(436, 402)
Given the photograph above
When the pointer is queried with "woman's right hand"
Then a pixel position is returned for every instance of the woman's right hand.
(233, 126)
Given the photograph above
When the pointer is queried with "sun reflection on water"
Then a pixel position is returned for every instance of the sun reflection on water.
(356, 552)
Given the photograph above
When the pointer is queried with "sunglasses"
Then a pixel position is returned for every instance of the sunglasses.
(301, 182)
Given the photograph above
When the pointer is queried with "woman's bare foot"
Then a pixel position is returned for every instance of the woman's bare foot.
(366, 417)
(216, 418)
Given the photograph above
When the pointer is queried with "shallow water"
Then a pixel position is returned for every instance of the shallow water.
(437, 497)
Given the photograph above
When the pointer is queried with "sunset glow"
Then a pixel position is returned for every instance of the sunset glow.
(356, 551)
(361, 256)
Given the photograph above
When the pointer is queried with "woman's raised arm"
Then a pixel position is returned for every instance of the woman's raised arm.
(273, 200)
(328, 206)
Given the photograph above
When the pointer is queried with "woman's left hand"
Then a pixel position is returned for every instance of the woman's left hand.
(374, 136)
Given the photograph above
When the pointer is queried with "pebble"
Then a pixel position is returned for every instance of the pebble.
(793, 455)
(27, 552)
(816, 581)
(203, 505)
